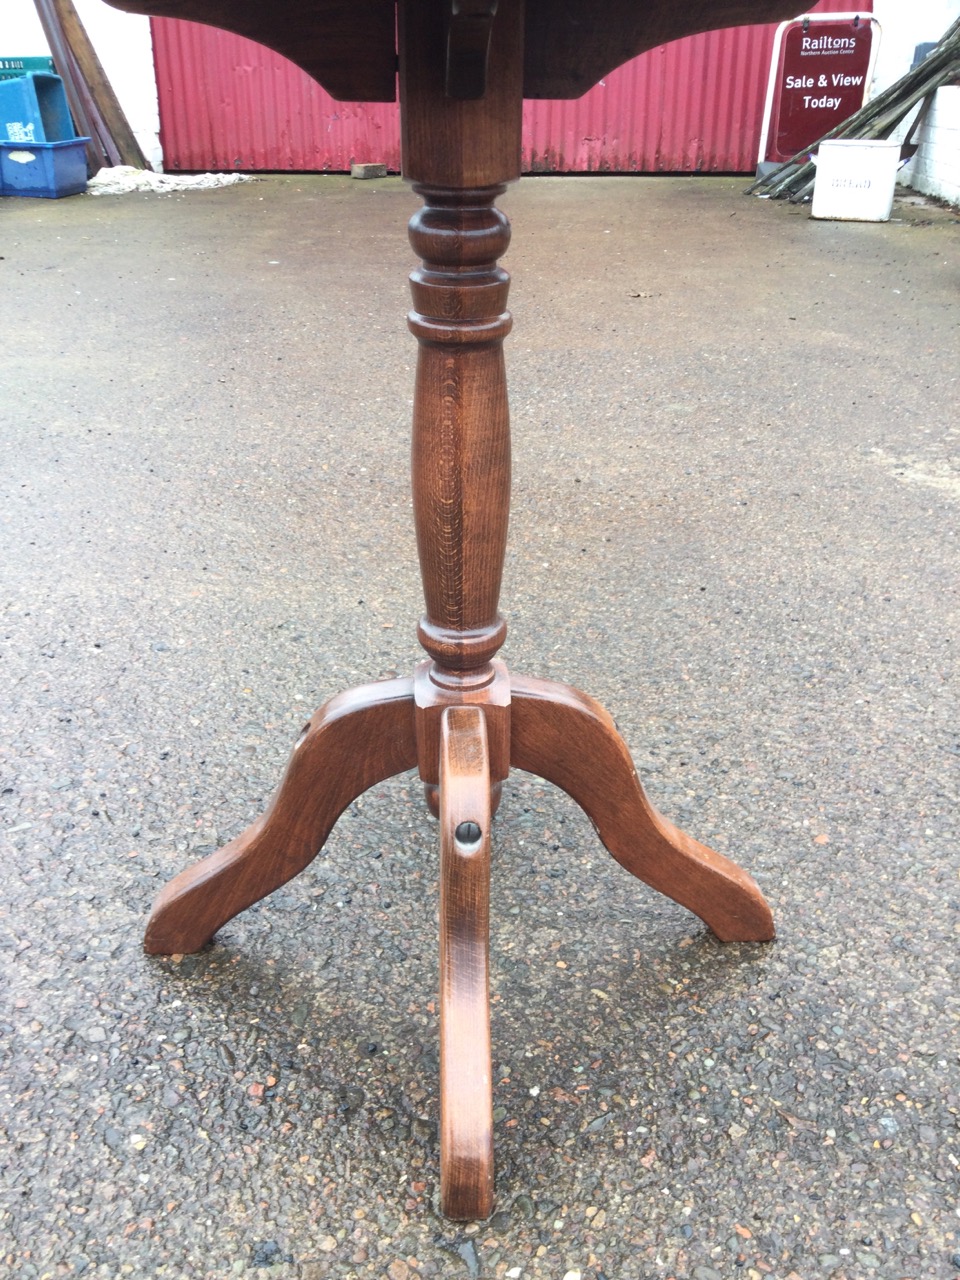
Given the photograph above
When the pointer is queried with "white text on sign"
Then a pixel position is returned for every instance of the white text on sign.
(808, 82)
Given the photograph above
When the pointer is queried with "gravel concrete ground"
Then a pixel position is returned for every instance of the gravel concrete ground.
(735, 523)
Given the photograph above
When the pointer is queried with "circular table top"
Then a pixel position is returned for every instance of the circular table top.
(351, 50)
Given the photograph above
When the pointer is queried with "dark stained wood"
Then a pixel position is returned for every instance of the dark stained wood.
(451, 142)
(562, 735)
(466, 1087)
(572, 44)
(469, 30)
(434, 691)
(461, 423)
(348, 46)
(463, 720)
(355, 740)
(461, 427)
(431, 792)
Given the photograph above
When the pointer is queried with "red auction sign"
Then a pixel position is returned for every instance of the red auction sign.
(822, 76)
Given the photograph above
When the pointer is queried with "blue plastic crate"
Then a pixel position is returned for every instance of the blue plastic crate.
(47, 169)
(11, 68)
(33, 108)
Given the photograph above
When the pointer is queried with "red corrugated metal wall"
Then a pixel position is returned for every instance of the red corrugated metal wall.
(691, 106)
(229, 103)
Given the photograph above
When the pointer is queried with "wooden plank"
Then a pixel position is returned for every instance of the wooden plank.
(101, 90)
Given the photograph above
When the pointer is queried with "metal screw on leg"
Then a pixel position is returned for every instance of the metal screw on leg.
(468, 833)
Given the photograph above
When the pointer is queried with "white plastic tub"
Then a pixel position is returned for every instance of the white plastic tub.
(855, 180)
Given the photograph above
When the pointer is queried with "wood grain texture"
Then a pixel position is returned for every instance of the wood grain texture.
(355, 740)
(466, 1087)
(491, 691)
(456, 142)
(567, 738)
(463, 721)
(94, 82)
(461, 423)
(459, 154)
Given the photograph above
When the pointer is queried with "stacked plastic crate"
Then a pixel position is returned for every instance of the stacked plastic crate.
(40, 153)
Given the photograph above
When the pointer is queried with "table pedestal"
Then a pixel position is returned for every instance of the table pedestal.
(462, 719)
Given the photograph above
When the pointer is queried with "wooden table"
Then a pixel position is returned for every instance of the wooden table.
(462, 719)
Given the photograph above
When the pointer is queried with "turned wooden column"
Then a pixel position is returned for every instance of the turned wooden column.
(461, 107)
(461, 427)
(459, 153)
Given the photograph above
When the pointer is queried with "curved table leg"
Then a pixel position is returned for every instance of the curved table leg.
(466, 1087)
(355, 740)
(431, 793)
(567, 738)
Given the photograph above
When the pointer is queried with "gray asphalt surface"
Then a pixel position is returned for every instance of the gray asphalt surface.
(735, 523)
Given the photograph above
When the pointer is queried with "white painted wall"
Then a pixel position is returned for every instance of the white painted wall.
(935, 169)
(123, 45)
(905, 25)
